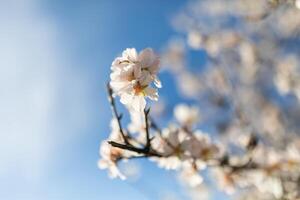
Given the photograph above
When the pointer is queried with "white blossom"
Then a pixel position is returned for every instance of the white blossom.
(132, 76)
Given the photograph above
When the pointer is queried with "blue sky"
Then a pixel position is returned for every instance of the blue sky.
(56, 60)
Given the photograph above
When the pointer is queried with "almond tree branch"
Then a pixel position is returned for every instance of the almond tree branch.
(145, 151)
(148, 140)
(115, 112)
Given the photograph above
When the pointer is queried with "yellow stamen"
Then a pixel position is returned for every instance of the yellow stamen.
(139, 89)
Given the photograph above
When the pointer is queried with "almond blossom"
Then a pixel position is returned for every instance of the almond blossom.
(132, 77)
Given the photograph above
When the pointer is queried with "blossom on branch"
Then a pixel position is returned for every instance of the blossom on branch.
(132, 77)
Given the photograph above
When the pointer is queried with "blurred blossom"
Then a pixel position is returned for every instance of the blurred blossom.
(189, 85)
(195, 40)
(186, 115)
(110, 156)
(173, 57)
(190, 176)
(287, 76)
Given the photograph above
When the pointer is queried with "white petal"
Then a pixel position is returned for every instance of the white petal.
(126, 98)
(130, 54)
(138, 103)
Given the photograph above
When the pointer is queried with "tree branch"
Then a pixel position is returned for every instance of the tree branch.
(115, 112)
(148, 140)
(145, 151)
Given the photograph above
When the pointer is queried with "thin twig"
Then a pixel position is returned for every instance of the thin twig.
(115, 112)
(148, 140)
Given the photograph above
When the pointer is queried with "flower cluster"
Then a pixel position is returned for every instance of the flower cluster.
(132, 76)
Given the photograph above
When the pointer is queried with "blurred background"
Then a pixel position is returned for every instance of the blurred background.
(54, 64)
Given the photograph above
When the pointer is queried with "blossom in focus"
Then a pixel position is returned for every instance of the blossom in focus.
(132, 77)
(186, 115)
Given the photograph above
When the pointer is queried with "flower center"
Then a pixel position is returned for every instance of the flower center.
(139, 89)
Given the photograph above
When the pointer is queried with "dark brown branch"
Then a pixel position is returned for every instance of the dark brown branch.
(148, 140)
(115, 112)
(145, 151)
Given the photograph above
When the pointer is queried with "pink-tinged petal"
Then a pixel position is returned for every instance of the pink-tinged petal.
(145, 78)
(154, 67)
(147, 57)
(137, 71)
